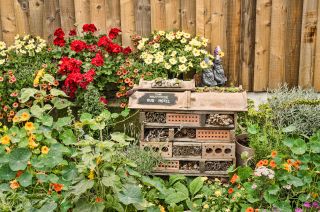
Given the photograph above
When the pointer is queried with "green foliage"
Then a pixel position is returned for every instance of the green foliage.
(296, 107)
(90, 101)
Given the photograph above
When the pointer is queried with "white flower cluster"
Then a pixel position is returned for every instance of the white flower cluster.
(28, 45)
(264, 171)
(3, 52)
(175, 51)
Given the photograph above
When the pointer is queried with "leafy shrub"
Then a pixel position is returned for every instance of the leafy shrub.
(296, 108)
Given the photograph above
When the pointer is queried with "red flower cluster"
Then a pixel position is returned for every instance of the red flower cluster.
(89, 28)
(71, 68)
(78, 45)
(59, 40)
(97, 60)
(113, 33)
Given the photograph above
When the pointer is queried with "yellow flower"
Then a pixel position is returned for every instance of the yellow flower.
(162, 208)
(25, 116)
(218, 193)
(99, 159)
(91, 174)
(14, 184)
(206, 206)
(44, 150)
(5, 140)
(15, 119)
(203, 64)
(32, 144)
(29, 126)
(182, 68)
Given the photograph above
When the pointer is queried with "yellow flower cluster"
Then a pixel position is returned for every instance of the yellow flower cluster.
(3, 52)
(40, 74)
(28, 45)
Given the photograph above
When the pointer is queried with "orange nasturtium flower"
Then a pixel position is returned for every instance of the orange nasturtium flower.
(57, 187)
(234, 178)
(5, 140)
(15, 119)
(14, 184)
(265, 162)
(250, 209)
(44, 150)
(272, 164)
(29, 126)
(260, 163)
(274, 154)
(99, 199)
(230, 190)
(287, 167)
(25, 116)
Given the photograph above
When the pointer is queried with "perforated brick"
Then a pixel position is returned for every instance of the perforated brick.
(165, 148)
(218, 135)
(218, 150)
(179, 118)
(168, 166)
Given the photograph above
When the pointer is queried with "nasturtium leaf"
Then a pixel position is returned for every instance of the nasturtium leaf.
(18, 159)
(47, 120)
(314, 146)
(57, 92)
(295, 181)
(269, 197)
(25, 179)
(37, 111)
(61, 122)
(49, 206)
(111, 181)
(53, 178)
(43, 178)
(196, 185)
(273, 189)
(84, 206)
(299, 146)
(27, 93)
(114, 115)
(60, 103)
(244, 172)
(6, 173)
(68, 137)
(175, 197)
(82, 187)
(130, 194)
(125, 112)
(288, 141)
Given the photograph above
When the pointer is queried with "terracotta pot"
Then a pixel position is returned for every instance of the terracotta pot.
(241, 148)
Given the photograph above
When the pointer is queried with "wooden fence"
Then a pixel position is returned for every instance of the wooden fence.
(266, 42)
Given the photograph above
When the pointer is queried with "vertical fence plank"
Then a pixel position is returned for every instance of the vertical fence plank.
(188, 16)
(233, 39)
(293, 33)
(248, 11)
(277, 44)
(143, 18)
(112, 14)
(21, 10)
(51, 19)
(158, 15)
(173, 15)
(308, 41)
(200, 18)
(127, 20)
(36, 9)
(8, 21)
(98, 14)
(316, 76)
(262, 41)
(67, 14)
(82, 13)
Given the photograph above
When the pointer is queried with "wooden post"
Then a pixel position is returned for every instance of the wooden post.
(218, 25)
(233, 37)
(51, 19)
(277, 44)
(262, 41)
(8, 21)
(248, 10)
(112, 14)
(158, 15)
(188, 16)
(200, 16)
(173, 18)
(36, 8)
(67, 14)
(294, 20)
(308, 43)
(21, 10)
(82, 13)
(316, 76)
(127, 20)
(98, 14)
(143, 18)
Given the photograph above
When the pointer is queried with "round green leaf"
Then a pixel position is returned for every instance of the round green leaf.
(18, 159)
(25, 179)
(6, 173)
(299, 146)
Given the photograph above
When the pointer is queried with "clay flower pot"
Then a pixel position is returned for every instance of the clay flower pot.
(242, 146)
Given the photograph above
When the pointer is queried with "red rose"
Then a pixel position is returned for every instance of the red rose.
(114, 48)
(97, 60)
(72, 32)
(103, 100)
(127, 50)
(59, 41)
(104, 41)
(78, 45)
(59, 33)
(113, 33)
(89, 28)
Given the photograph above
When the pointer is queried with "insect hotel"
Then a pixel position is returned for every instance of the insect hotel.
(194, 131)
